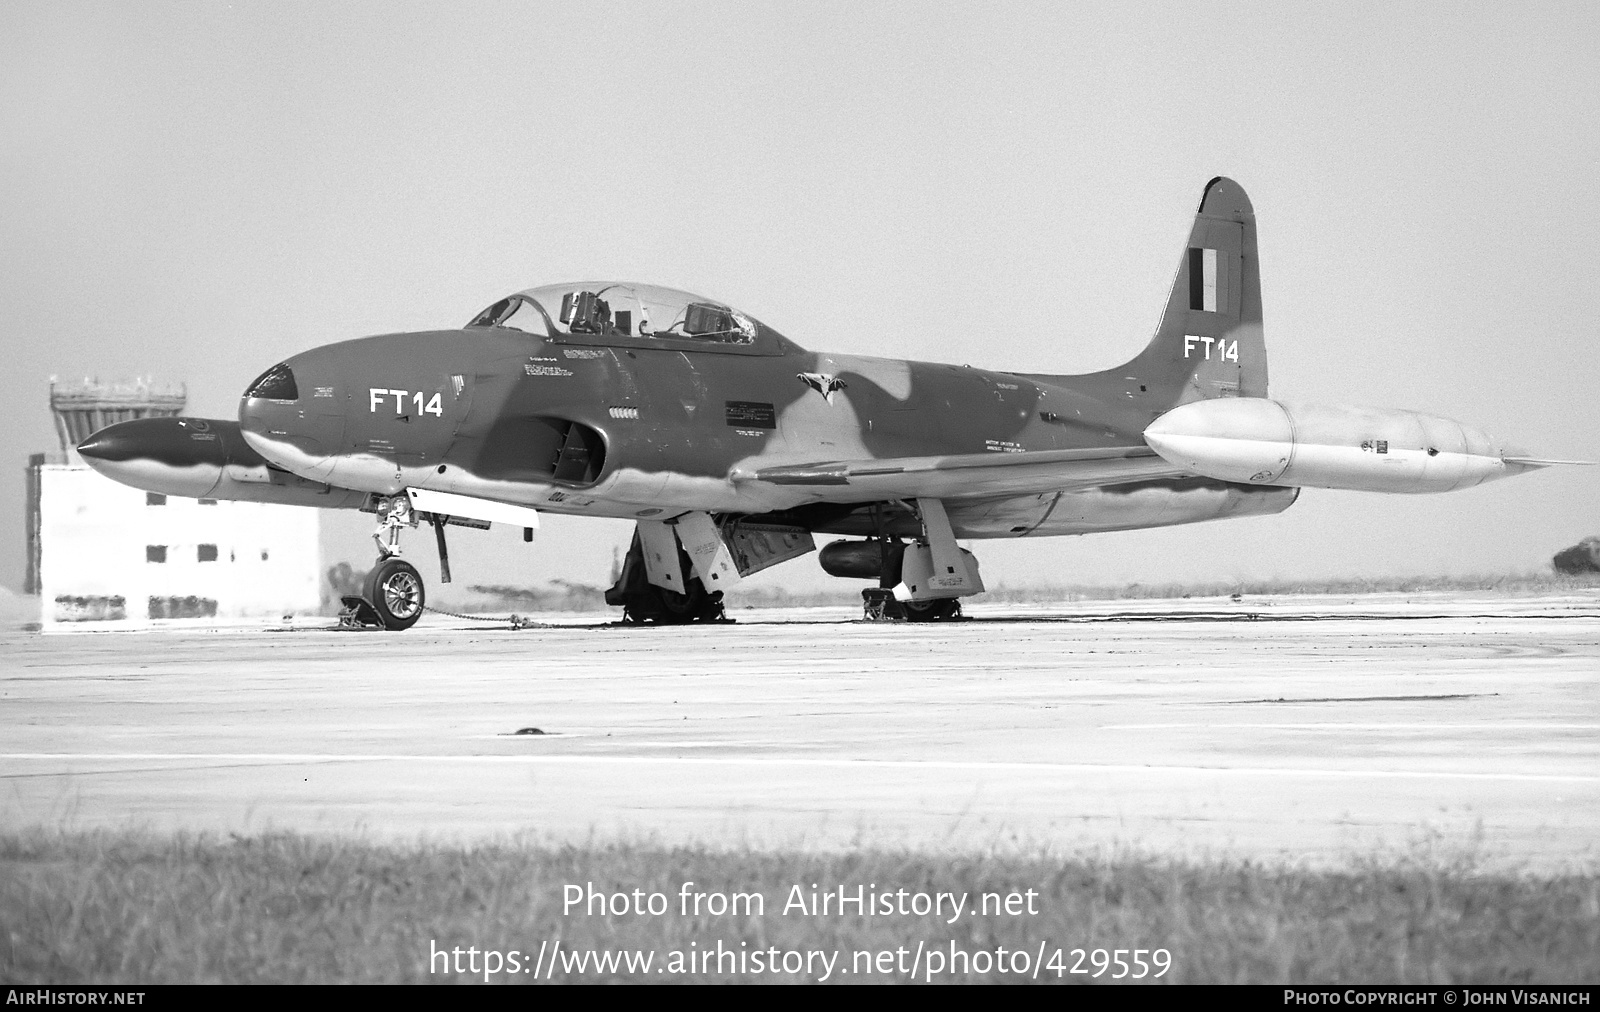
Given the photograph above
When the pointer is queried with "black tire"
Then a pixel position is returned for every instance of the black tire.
(942, 610)
(394, 588)
(677, 608)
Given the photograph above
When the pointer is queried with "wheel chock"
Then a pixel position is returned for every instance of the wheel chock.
(879, 605)
(358, 613)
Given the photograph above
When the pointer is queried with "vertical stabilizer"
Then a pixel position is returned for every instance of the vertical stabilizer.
(1209, 341)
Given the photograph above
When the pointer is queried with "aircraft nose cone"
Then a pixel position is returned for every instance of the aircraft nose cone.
(270, 412)
(281, 421)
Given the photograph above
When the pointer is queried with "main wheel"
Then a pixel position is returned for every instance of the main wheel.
(677, 609)
(941, 610)
(395, 589)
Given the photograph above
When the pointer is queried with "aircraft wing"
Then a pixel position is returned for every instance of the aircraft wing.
(971, 474)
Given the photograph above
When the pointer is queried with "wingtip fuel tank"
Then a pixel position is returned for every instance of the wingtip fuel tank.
(202, 458)
(1265, 442)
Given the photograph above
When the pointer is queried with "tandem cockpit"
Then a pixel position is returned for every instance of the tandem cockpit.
(632, 314)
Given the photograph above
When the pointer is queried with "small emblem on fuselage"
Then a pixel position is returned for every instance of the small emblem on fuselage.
(822, 383)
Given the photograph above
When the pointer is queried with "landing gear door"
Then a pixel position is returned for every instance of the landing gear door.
(758, 546)
(662, 564)
(713, 562)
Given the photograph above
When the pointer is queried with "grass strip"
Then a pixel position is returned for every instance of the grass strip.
(130, 907)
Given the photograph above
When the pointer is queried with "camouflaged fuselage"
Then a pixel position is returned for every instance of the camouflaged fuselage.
(622, 400)
(677, 424)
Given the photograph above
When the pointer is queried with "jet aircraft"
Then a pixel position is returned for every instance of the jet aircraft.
(731, 447)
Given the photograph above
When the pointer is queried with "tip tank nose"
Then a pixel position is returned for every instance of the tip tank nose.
(123, 441)
(98, 447)
(176, 456)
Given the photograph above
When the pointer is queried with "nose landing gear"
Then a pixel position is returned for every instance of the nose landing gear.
(394, 513)
(393, 596)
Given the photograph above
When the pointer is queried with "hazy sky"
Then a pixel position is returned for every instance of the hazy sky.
(194, 191)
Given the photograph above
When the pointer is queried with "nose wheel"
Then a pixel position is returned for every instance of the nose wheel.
(394, 589)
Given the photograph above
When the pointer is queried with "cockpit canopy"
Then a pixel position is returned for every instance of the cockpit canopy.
(621, 310)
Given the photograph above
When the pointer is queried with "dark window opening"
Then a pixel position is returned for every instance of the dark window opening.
(276, 384)
(263, 555)
(208, 553)
(208, 502)
(154, 499)
(155, 553)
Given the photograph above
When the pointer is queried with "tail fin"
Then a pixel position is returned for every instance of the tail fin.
(1209, 342)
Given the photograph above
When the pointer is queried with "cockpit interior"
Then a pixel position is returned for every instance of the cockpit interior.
(619, 309)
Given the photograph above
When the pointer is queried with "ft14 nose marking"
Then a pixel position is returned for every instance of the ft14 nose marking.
(376, 396)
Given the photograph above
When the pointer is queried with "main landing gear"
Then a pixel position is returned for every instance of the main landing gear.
(643, 601)
(920, 582)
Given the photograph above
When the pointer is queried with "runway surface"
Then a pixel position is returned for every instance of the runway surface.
(1318, 730)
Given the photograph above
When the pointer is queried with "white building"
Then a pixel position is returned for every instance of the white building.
(111, 556)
